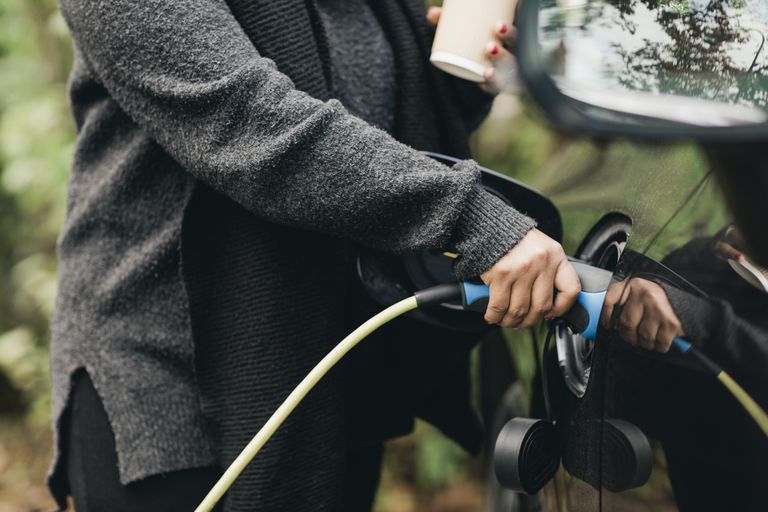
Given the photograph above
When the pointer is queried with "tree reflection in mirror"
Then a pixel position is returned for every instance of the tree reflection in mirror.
(687, 56)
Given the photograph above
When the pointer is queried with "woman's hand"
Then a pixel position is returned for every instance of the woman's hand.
(523, 283)
(644, 316)
(497, 51)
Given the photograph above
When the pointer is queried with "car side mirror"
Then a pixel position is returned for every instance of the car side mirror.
(660, 70)
(648, 69)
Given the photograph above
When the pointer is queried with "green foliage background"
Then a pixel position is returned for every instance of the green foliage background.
(36, 138)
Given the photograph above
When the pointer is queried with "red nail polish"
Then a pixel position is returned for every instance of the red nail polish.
(494, 50)
(503, 28)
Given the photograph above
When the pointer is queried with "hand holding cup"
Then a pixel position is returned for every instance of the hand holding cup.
(473, 40)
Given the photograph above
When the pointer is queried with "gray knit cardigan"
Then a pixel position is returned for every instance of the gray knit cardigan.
(198, 156)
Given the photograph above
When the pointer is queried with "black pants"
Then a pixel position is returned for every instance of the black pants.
(91, 466)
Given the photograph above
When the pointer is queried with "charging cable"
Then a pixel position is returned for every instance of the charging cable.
(424, 298)
(753, 409)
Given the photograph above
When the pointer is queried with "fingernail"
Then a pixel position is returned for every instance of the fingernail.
(503, 28)
(493, 49)
(489, 74)
(549, 318)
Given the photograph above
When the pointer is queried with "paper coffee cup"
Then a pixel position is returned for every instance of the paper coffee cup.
(465, 29)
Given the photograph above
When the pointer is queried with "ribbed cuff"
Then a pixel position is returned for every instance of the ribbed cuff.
(486, 230)
(698, 316)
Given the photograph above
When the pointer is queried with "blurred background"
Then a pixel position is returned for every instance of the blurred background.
(423, 471)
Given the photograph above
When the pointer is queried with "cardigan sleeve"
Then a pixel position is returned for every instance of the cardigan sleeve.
(187, 74)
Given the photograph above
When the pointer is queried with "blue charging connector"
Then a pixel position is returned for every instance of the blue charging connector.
(583, 318)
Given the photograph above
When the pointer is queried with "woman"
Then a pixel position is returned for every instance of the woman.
(217, 189)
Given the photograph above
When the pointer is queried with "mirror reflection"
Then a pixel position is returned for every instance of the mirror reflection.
(702, 437)
(701, 62)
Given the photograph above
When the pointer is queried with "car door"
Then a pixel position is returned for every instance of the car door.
(640, 429)
(614, 201)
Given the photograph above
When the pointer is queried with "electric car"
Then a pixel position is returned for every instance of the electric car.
(614, 426)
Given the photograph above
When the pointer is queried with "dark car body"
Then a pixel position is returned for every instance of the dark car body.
(639, 429)
(654, 212)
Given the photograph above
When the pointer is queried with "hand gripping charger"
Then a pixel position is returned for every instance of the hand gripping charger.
(583, 318)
